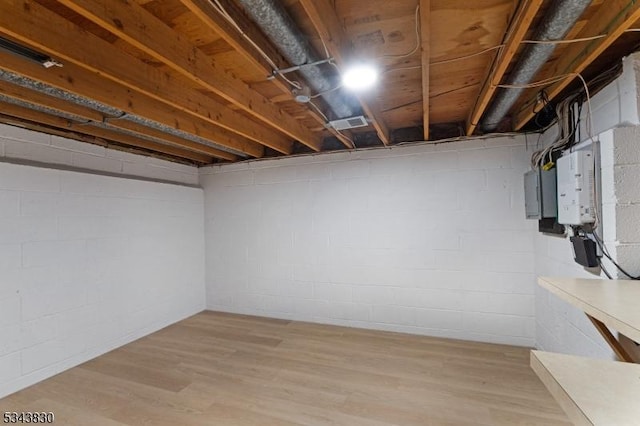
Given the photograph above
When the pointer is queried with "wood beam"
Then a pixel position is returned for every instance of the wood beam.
(135, 25)
(43, 100)
(63, 123)
(517, 31)
(613, 18)
(79, 82)
(328, 26)
(425, 54)
(32, 24)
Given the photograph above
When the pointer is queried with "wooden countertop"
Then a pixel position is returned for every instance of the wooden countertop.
(614, 302)
(592, 392)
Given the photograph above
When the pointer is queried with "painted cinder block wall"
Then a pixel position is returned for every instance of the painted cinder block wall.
(427, 239)
(18, 144)
(89, 263)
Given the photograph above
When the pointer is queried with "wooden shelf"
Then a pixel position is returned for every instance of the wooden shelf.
(592, 392)
(614, 302)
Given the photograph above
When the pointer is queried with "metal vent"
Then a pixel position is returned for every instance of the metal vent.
(349, 123)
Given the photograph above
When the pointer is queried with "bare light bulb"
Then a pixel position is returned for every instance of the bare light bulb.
(360, 77)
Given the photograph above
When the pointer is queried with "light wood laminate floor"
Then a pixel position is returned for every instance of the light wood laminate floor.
(224, 369)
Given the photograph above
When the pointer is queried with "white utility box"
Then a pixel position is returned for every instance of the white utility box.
(576, 182)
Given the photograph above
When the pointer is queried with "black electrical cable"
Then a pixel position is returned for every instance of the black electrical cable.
(621, 269)
(603, 269)
(605, 252)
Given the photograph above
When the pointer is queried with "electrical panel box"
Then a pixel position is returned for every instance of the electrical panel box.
(540, 191)
(576, 182)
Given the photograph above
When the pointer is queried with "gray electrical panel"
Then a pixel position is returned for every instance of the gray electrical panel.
(540, 189)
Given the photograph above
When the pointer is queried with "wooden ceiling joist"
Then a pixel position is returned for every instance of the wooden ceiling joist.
(425, 55)
(77, 81)
(518, 28)
(143, 30)
(63, 123)
(42, 100)
(44, 30)
(328, 26)
(614, 17)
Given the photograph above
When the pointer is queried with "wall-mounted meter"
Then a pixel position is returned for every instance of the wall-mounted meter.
(576, 188)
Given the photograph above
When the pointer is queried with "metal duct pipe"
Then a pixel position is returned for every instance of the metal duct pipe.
(558, 20)
(276, 23)
(37, 86)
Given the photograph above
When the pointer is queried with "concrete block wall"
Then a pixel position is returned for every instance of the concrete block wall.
(427, 239)
(626, 179)
(89, 263)
(17, 143)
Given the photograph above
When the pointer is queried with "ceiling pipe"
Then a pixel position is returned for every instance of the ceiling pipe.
(277, 25)
(107, 111)
(557, 21)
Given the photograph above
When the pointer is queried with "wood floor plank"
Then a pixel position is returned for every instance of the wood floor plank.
(220, 368)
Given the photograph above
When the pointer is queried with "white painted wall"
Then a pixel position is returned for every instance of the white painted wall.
(427, 239)
(561, 327)
(624, 167)
(89, 263)
(17, 143)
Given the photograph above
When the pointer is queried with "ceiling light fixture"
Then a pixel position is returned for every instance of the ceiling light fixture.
(360, 77)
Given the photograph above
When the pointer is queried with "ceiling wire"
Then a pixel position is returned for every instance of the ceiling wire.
(418, 40)
(500, 46)
(539, 83)
(317, 95)
(568, 41)
(472, 55)
(446, 92)
(220, 8)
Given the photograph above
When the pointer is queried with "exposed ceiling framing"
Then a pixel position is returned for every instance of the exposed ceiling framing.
(198, 80)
